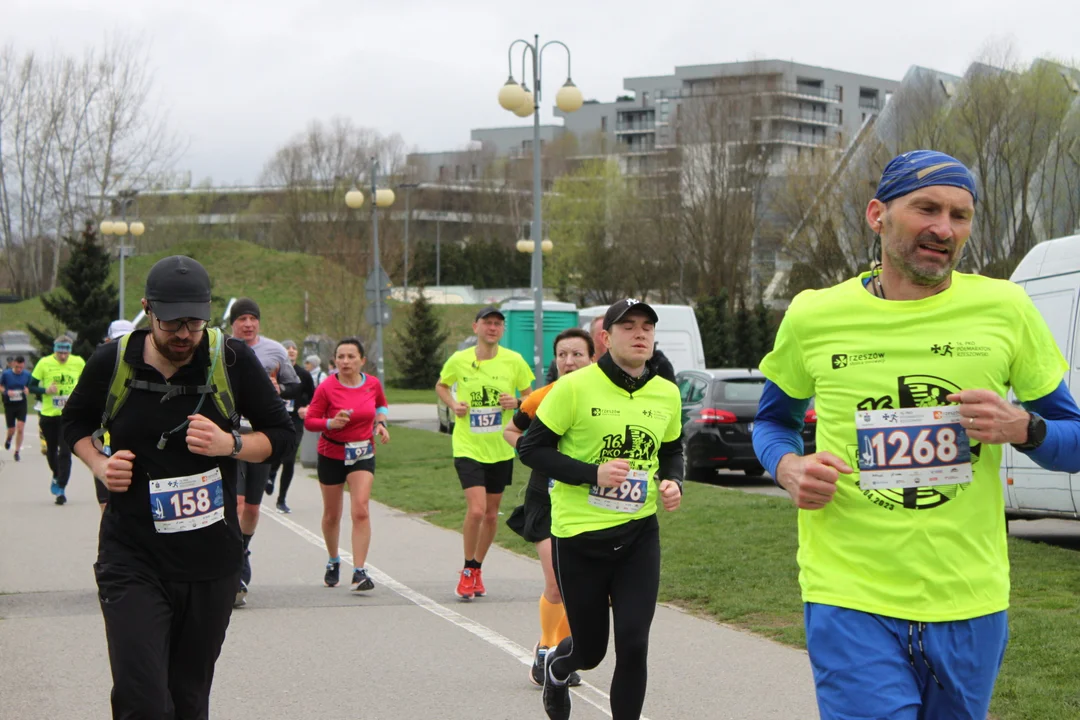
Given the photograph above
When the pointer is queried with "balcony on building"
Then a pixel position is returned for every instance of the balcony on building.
(822, 117)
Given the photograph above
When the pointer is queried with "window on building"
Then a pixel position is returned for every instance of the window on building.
(840, 93)
(457, 172)
(442, 173)
(603, 123)
(475, 172)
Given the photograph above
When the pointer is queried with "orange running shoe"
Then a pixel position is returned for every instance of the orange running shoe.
(466, 587)
(478, 583)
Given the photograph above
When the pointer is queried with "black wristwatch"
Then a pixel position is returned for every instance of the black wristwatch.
(1036, 433)
(237, 443)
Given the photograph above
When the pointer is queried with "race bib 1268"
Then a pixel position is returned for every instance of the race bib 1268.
(912, 447)
(182, 504)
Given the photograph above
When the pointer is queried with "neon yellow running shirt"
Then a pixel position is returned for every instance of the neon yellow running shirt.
(65, 375)
(478, 435)
(927, 554)
(598, 422)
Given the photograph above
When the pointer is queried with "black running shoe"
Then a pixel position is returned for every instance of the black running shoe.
(333, 574)
(536, 672)
(361, 581)
(270, 486)
(283, 508)
(245, 569)
(16, 456)
(61, 499)
(7, 444)
(556, 694)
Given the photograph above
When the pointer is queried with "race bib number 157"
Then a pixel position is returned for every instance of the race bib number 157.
(912, 447)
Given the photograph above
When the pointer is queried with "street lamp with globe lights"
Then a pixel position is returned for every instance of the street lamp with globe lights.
(121, 228)
(518, 99)
(384, 198)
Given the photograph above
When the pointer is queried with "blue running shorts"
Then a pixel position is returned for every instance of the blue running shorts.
(872, 667)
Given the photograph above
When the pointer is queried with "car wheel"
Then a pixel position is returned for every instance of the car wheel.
(755, 470)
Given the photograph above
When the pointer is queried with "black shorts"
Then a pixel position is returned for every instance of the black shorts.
(494, 477)
(532, 521)
(336, 472)
(15, 411)
(251, 479)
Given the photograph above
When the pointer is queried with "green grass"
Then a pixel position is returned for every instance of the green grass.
(730, 556)
(399, 396)
(276, 280)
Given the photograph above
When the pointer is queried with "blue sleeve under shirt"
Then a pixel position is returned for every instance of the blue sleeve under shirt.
(778, 426)
(1060, 451)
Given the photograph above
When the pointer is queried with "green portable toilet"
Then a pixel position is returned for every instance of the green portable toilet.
(520, 327)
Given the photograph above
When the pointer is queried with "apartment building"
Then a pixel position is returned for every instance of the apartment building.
(790, 108)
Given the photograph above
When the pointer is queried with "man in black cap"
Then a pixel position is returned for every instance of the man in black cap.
(485, 378)
(169, 546)
(246, 320)
(610, 436)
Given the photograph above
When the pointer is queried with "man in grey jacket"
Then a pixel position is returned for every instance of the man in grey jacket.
(245, 317)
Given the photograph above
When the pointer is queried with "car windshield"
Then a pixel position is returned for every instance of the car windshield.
(742, 390)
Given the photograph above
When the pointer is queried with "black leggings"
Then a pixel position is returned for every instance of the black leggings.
(57, 452)
(624, 566)
(288, 464)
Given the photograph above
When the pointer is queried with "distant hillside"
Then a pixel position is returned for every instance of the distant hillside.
(276, 280)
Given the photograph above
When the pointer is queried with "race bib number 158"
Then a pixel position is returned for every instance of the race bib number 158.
(912, 447)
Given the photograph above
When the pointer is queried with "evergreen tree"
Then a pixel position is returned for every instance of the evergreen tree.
(419, 358)
(86, 301)
(743, 337)
(765, 331)
(713, 322)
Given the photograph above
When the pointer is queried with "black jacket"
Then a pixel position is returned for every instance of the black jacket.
(127, 534)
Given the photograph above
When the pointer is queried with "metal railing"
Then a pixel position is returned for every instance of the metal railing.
(635, 125)
(827, 118)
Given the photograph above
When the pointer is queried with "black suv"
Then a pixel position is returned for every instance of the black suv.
(718, 409)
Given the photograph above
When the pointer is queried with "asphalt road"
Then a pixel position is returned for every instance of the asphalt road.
(407, 650)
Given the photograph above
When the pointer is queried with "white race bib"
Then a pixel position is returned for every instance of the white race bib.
(60, 401)
(912, 447)
(629, 497)
(16, 396)
(359, 450)
(290, 406)
(485, 419)
(182, 504)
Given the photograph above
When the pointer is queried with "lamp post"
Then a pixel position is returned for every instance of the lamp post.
(407, 187)
(519, 100)
(383, 197)
(121, 228)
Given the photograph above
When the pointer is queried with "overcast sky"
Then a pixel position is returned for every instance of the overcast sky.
(238, 78)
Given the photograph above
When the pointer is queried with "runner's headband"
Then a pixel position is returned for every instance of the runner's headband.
(61, 347)
(922, 168)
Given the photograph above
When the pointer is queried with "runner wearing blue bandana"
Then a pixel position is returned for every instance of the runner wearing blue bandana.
(903, 560)
(53, 379)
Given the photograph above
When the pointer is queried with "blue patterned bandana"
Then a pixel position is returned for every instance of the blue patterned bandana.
(922, 168)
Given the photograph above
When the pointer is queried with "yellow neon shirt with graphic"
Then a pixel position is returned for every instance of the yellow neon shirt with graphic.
(479, 384)
(65, 375)
(927, 554)
(598, 422)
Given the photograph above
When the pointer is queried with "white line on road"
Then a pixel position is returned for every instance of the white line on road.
(483, 632)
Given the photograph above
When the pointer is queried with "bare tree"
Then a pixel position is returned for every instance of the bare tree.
(73, 131)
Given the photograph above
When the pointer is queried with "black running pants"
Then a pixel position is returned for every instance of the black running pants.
(590, 568)
(57, 451)
(164, 638)
(288, 464)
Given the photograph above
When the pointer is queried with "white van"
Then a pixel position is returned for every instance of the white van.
(1050, 274)
(677, 333)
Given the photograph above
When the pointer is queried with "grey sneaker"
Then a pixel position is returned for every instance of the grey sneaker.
(361, 581)
(333, 574)
(241, 596)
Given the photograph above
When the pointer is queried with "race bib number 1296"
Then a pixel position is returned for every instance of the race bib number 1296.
(912, 447)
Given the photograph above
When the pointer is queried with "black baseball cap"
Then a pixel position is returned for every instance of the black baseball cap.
(618, 310)
(178, 287)
(489, 310)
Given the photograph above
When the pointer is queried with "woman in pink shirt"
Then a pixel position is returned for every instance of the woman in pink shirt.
(349, 410)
